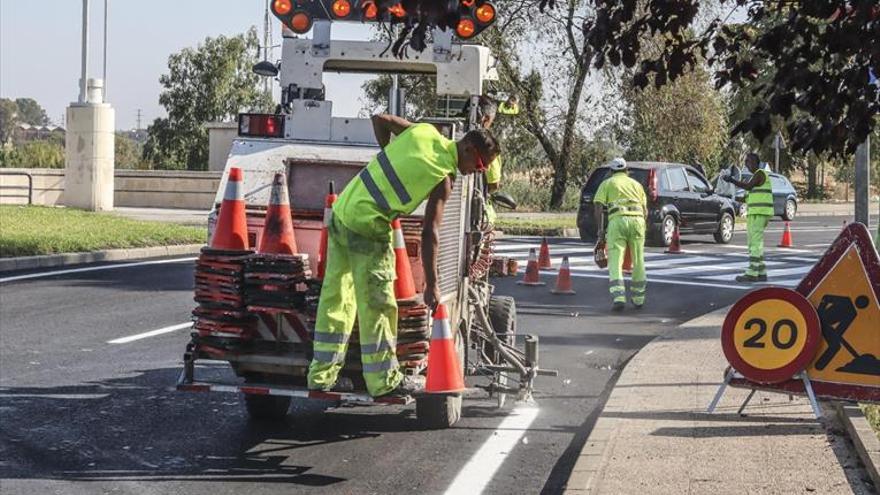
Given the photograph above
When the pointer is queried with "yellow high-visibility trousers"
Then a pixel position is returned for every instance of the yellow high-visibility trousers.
(359, 281)
(623, 232)
(755, 226)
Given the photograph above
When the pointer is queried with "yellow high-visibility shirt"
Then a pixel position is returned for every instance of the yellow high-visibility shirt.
(493, 173)
(623, 196)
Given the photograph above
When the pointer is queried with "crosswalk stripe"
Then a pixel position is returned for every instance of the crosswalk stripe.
(691, 269)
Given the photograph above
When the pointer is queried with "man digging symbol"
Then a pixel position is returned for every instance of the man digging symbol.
(837, 314)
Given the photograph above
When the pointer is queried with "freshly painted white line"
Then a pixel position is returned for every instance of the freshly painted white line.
(91, 269)
(690, 270)
(798, 258)
(660, 281)
(152, 333)
(771, 274)
(476, 475)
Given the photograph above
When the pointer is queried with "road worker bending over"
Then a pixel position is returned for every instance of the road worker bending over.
(760, 209)
(359, 280)
(626, 203)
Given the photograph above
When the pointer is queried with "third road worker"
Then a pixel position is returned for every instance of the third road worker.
(486, 112)
(359, 280)
(759, 203)
(626, 203)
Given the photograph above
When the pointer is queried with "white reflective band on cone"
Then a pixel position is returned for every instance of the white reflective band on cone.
(441, 330)
(233, 191)
(399, 243)
(279, 196)
(328, 216)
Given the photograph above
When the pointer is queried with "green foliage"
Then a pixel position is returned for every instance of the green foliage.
(35, 230)
(30, 112)
(549, 226)
(211, 83)
(129, 154)
(872, 413)
(8, 119)
(47, 153)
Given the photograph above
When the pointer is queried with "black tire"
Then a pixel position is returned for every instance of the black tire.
(267, 407)
(723, 235)
(790, 210)
(502, 316)
(438, 412)
(660, 237)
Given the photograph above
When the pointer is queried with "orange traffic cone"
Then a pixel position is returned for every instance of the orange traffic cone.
(563, 280)
(786, 237)
(404, 287)
(627, 261)
(231, 232)
(328, 216)
(544, 262)
(444, 368)
(675, 247)
(532, 277)
(278, 235)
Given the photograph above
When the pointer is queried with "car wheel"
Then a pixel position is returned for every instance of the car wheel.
(667, 230)
(790, 210)
(725, 229)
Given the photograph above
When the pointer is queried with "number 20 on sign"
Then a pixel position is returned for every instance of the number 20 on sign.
(771, 335)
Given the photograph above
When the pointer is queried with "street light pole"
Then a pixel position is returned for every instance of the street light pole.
(862, 181)
(83, 81)
(106, 2)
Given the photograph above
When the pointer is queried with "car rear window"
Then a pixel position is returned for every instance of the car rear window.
(600, 174)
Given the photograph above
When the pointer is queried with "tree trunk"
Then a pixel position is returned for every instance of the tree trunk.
(812, 166)
(563, 160)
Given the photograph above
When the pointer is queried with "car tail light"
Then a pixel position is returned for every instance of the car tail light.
(260, 125)
(653, 190)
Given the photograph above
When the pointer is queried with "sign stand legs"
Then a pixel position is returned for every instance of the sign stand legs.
(730, 374)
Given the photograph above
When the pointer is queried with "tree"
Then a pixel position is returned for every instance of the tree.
(8, 120)
(213, 82)
(30, 112)
(817, 55)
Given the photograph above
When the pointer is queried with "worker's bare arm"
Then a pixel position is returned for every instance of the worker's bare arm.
(493, 186)
(431, 239)
(384, 125)
(755, 181)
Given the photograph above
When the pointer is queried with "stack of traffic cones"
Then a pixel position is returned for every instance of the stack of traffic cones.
(627, 261)
(786, 241)
(563, 280)
(413, 335)
(328, 216)
(544, 262)
(532, 276)
(444, 368)
(219, 274)
(404, 287)
(276, 276)
(675, 246)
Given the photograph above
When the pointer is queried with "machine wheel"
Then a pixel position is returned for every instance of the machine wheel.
(661, 236)
(725, 229)
(437, 412)
(502, 315)
(267, 407)
(790, 210)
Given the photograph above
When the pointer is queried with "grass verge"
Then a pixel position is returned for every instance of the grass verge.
(536, 226)
(37, 230)
(872, 412)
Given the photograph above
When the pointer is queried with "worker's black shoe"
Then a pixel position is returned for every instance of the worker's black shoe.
(342, 385)
(638, 305)
(408, 386)
(618, 306)
(748, 278)
(762, 278)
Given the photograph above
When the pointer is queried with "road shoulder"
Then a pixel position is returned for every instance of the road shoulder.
(654, 435)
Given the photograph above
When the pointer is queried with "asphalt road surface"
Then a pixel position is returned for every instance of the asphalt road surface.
(79, 414)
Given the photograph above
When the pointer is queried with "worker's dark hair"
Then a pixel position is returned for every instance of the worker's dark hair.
(484, 141)
(486, 108)
(753, 156)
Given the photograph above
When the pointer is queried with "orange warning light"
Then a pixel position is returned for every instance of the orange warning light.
(341, 8)
(465, 28)
(301, 22)
(282, 7)
(370, 10)
(397, 10)
(485, 13)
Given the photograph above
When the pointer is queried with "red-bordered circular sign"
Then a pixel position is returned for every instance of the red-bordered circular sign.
(771, 334)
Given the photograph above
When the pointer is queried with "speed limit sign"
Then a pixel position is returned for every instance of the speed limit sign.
(770, 335)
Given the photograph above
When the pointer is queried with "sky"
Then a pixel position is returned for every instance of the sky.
(40, 50)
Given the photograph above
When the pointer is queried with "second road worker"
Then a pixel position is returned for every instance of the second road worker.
(759, 202)
(626, 203)
(359, 279)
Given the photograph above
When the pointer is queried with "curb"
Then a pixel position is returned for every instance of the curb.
(64, 259)
(863, 437)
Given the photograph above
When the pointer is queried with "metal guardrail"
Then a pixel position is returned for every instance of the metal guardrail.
(30, 194)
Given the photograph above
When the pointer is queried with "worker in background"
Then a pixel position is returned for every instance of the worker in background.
(359, 281)
(759, 203)
(486, 113)
(624, 199)
(509, 106)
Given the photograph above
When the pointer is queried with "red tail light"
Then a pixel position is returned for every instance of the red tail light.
(260, 125)
(653, 190)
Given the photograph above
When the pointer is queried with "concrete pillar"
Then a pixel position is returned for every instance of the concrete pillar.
(90, 158)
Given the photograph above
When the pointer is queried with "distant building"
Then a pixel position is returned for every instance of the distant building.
(27, 132)
(138, 135)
